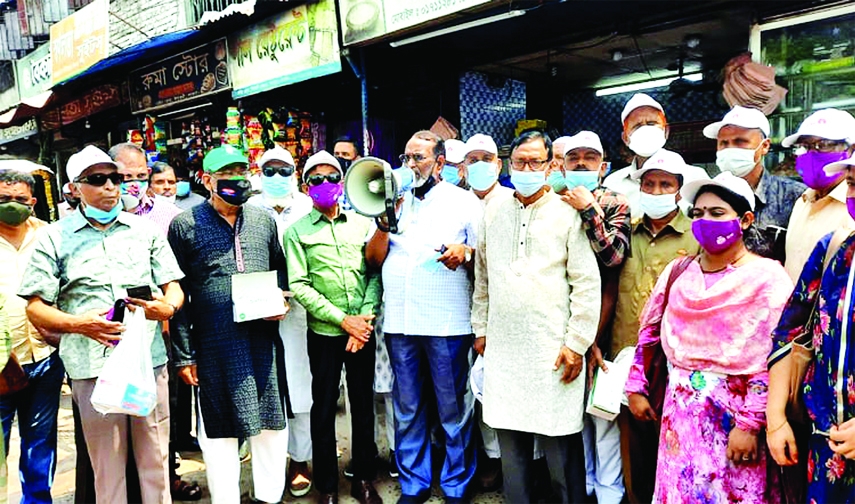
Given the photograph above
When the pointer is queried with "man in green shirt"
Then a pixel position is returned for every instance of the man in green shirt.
(328, 274)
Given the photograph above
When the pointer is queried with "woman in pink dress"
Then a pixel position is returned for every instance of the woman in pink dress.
(714, 331)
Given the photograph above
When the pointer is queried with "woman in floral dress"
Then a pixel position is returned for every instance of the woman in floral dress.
(714, 331)
(829, 386)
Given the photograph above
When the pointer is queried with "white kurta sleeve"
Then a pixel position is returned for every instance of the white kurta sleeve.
(583, 275)
(480, 295)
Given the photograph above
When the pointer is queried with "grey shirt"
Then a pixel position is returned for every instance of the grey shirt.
(79, 268)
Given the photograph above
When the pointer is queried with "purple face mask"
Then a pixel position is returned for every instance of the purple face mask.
(850, 206)
(810, 166)
(716, 236)
(325, 195)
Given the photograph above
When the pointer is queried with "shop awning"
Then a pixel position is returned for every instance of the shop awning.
(151, 49)
(29, 107)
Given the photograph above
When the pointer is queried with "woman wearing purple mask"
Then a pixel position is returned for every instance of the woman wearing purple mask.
(714, 330)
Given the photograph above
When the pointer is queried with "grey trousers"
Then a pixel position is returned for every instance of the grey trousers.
(565, 456)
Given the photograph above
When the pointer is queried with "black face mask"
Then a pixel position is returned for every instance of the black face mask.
(345, 163)
(235, 192)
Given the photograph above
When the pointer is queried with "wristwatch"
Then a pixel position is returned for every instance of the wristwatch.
(467, 255)
(174, 309)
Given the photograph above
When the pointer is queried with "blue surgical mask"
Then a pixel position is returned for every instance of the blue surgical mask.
(136, 188)
(482, 175)
(182, 188)
(657, 206)
(450, 174)
(276, 186)
(528, 182)
(587, 179)
(101, 216)
(556, 180)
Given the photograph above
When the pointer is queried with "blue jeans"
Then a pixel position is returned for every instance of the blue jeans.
(37, 407)
(432, 369)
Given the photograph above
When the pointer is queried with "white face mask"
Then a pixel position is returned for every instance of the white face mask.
(646, 140)
(657, 206)
(170, 199)
(735, 160)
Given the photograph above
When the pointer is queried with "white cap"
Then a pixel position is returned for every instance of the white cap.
(276, 154)
(749, 118)
(321, 158)
(663, 159)
(639, 100)
(562, 140)
(831, 124)
(455, 151)
(480, 142)
(89, 156)
(727, 180)
(839, 166)
(587, 139)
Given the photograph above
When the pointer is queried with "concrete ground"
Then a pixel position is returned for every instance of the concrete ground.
(193, 468)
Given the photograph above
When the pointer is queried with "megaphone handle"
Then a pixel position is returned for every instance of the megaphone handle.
(391, 196)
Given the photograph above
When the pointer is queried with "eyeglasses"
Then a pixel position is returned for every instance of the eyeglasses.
(535, 164)
(284, 170)
(99, 179)
(820, 146)
(415, 158)
(318, 179)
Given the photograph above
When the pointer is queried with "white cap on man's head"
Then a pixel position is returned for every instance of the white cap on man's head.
(587, 139)
(830, 124)
(89, 156)
(276, 154)
(726, 180)
(481, 142)
(562, 140)
(743, 117)
(663, 159)
(455, 151)
(639, 100)
(321, 158)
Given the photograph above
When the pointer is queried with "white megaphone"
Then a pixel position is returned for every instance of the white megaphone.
(372, 187)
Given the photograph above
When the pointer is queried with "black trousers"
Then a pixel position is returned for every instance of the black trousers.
(327, 355)
(565, 456)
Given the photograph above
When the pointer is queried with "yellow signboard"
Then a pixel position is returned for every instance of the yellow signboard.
(79, 41)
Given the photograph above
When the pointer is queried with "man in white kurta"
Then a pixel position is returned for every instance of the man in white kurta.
(537, 302)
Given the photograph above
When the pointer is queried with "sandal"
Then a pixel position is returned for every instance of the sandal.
(183, 491)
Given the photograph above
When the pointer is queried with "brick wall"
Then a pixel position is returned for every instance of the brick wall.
(153, 17)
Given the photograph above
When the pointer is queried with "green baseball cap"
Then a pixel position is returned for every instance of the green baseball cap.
(225, 155)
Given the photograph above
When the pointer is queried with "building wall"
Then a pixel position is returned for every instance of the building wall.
(490, 108)
(153, 17)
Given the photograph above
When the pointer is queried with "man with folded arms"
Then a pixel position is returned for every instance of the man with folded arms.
(80, 266)
(329, 276)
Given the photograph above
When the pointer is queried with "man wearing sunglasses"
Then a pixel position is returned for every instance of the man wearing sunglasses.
(131, 161)
(426, 278)
(80, 266)
(330, 278)
(824, 137)
(238, 366)
(281, 199)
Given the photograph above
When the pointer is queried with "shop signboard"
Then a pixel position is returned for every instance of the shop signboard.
(15, 132)
(293, 46)
(363, 20)
(79, 41)
(34, 72)
(95, 100)
(192, 74)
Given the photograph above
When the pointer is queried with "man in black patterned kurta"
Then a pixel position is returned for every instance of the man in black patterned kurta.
(238, 367)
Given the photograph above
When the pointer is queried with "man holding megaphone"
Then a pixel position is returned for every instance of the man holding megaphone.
(427, 288)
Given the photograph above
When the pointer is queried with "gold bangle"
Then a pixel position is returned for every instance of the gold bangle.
(769, 431)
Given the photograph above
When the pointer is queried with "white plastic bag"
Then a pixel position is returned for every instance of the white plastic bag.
(126, 384)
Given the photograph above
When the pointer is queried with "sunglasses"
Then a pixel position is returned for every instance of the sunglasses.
(316, 180)
(285, 170)
(99, 179)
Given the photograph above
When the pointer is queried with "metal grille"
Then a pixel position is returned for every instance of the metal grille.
(198, 7)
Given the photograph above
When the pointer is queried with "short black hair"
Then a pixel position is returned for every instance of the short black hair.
(17, 177)
(531, 136)
(739, 204)
(430, 136)
(160, 167)
(351, 141)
